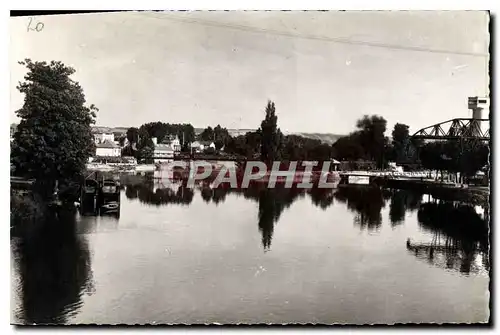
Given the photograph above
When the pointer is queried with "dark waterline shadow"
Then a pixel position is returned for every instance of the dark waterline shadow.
(54, 267)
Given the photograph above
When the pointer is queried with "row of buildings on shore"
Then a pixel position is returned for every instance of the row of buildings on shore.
(109, 145)
(111, 142)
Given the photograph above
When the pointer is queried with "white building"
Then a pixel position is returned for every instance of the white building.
(174, 142)
(200, 146)
(204, 145)
(162, 152)
(195, 146)
(103, 137)
(107, 149)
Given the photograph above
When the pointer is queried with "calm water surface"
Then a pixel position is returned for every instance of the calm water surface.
(258, 256)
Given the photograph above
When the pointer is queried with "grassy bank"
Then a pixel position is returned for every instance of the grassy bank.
(30, 215)
(26, 214)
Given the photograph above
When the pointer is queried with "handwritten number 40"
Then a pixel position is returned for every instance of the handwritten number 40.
(35, 27)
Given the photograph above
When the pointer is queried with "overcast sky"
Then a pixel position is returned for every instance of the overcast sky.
(206, 68)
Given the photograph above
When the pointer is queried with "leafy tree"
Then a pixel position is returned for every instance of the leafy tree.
(253, 142)
(271, 135)
(145, 146)
(321, 152)
(372, 139)
(400, 141)
(132, 135)
(247, 145)
(300, 148)
(54, 139)
(293, 148)
(433, 156)
(207, 134)
(220, 136)
(154, 129)
(146, 154)
(219, 145)
(129, 151)
(349, 147)
(473, 159)
(466, 157)
(121, 140)
(185, 132)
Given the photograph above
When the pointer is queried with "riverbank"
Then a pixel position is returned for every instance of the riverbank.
(475, 195)
(117, 167)
(29, 214)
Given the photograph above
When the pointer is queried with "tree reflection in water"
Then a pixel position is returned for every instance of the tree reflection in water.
(131, 191)
(322, 197)
(215, 195)
(460, 237)
(402, 201)
(272, 203)
(366, 202)
(54, 268)
(146, 193)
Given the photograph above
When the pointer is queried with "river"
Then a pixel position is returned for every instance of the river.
(346, 255)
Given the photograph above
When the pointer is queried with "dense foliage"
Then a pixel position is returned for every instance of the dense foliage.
(161, 131)
(145, 146)
(247, 145)
(271, 136)
(53, 140)
(400, 142)
(132, 135)
(464, 157)
(367, 142)
(220, 136)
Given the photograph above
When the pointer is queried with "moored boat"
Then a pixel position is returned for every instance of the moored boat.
(109, 197)
(89, 196)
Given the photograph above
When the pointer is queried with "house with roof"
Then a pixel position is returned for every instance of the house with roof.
(173, 141)
(101, 137)
(162, 152)
(107, 149)
(200, 146)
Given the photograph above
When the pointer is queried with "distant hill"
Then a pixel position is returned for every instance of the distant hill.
(232, 132)
(99, 129)
(327, 138)
(323, 137)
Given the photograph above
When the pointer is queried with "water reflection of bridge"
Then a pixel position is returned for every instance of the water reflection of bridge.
(460, 237)
(451, 255)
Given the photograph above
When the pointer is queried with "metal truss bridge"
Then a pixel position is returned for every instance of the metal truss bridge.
(462, 130)
(456, 129)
